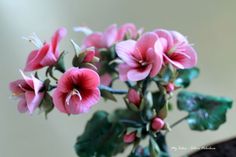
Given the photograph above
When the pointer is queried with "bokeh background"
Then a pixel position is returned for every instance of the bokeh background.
(210, 25)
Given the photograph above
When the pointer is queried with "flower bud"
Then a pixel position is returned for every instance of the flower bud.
(170, 87)
(134, 97)
(129, 138)
(157, 124)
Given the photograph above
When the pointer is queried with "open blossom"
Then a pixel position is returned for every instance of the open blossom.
(77, 91)
(47, 54)
(141, 58)
(110, 36)
(28, 91)
(177, 50)
(106, 39)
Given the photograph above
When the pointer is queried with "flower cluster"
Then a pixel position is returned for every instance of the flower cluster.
(138, 59)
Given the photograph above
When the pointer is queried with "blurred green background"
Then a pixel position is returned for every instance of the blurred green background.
(210, 25)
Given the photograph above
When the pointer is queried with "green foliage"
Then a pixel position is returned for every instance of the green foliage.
(60, 66)
(103, 135)
(185, 76)
(204, 112)
(46, 104)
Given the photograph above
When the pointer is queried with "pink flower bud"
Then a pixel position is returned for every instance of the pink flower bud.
(157, 124)
(134, 97)
(129, 138)
(170, 87)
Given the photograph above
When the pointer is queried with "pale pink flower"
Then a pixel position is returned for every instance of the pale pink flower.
(110, 36)
(77, 91)
(129, 138)
(177, 50)
(28, 90)
(141, 58)
(106, 39)
(157, 124)
(47, 54)
(134, 97)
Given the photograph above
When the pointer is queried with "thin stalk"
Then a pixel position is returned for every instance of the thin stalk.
(111, 90)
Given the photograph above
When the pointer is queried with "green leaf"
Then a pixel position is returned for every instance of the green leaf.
(204, 112)
(185, 76)
(154, 148)
(47, 104)
(60, 66)
(101, 137)
(159, 100)
(107, 95)
(140, 152)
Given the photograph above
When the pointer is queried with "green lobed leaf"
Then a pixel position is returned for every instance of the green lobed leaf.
(185, 76)
(103, 135)
(204, 112)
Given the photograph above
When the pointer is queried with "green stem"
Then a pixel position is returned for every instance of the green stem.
(176, 123)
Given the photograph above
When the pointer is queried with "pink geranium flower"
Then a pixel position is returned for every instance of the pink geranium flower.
(141, 58)
(77, 91)
(28, 91)
(106, 39)
(177, 50)
(47, 54)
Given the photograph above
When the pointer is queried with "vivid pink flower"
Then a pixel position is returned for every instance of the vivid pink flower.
(177, 49)
(129, 138)
(77, 91)
(157, 124)
(134, 97)
(141, 58)
(106, 39)
(28, 91)
(47, 54)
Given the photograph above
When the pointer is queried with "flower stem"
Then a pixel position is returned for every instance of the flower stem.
(111, 90)
(176, 123)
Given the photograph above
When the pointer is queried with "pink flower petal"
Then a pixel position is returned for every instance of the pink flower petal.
(128, 28)
(37, 84)
(33, 100)
(22, 106)
(139, 74)
(110, 35)
(58, 35)
(146, 41)
(105, 79)
(59, 100)
(35, 57)
(124, 50)
(165, 34)
(123, 70)
(156, 59)
(28, 80)
(15, 86)
(95, 39)
(91, 80)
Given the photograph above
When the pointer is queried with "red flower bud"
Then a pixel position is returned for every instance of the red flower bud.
(170, 87)
(129, 138)
(134, 97)
(157, 124)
